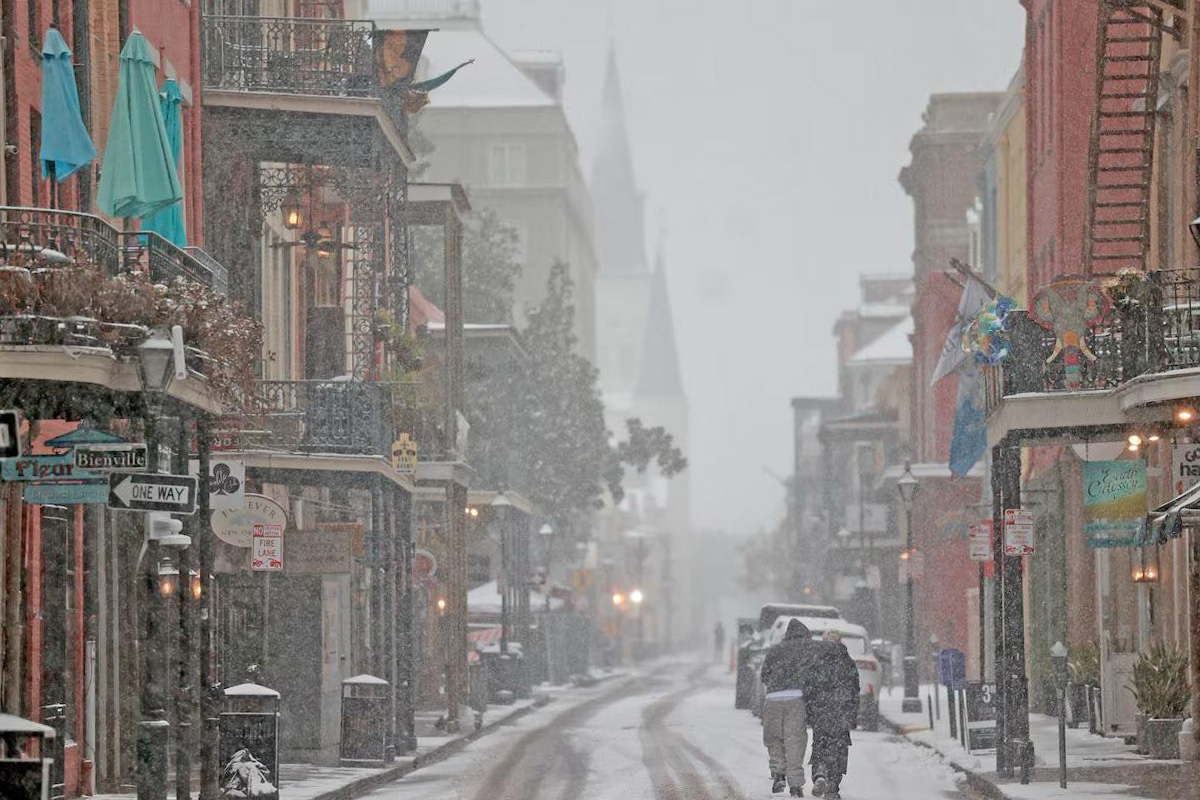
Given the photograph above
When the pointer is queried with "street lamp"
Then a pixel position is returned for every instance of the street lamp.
(907, 486)
(501, 505)
(156, 362)
(636, 597)
(168, 578)
(1059, 653)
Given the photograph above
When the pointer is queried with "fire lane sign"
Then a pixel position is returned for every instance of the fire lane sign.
(140, 491)
(112, 457)
(1018, 532)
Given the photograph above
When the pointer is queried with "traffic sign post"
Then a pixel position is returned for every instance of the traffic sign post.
(140, 491)
(10, 433)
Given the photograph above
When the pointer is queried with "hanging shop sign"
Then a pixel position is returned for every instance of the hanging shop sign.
(979, 540)
(266, 548)
(65, 494)
(424, 566)
(226, 482)
(1185, 467)
(1114, 503)
(319, 552)
(235, 526)
(404, 454)
(1018, 532)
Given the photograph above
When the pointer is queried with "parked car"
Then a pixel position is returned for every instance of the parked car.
(857, 641)
(772, 611)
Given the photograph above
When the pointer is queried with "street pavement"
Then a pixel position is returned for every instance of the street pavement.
(667, 732)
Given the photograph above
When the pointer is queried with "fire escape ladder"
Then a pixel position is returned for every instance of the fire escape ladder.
(1121, 151)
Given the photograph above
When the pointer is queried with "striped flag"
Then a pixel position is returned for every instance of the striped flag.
(974, 295)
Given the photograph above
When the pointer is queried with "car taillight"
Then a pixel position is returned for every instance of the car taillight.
(871, 689)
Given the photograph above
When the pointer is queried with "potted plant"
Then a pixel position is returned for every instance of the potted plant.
(1083, 668)
(1160, 689)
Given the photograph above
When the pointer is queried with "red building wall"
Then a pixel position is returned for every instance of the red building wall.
(1060, 55)
(939, 533)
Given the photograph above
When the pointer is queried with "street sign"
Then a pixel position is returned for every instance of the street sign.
(65, 494)
(43, 468)
(10, 433)
(112, 457)
(952, 668)
(979, 540)
(981, 717)
(1018, 532)
(266, 548)
(226, 482)
(141, 491)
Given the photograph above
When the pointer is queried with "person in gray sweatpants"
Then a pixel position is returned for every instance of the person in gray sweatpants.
(784, 713)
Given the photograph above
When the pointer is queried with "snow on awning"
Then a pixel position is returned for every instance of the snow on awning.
(1167, 521)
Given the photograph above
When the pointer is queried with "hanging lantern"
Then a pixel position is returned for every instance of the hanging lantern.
(290, 208)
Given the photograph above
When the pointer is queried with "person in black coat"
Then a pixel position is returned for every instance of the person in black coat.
(831, 695)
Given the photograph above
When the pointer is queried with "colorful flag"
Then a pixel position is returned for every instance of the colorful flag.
(969, 439)
(974, 295)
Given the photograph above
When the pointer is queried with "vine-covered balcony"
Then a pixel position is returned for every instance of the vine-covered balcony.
(1152, 327)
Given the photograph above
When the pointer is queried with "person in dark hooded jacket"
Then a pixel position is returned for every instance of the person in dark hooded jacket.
(785, 731)
(831, 693)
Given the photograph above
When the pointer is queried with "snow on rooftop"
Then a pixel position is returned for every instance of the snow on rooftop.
(893, 347)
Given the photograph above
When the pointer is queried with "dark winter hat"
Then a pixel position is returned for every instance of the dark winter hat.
(797, 630)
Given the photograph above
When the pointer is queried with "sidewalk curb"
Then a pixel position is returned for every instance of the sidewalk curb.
(369, 783)
(975, 780)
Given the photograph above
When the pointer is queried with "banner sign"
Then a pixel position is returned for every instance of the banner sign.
(226, 482)
(1018, 532)
(1185, 471)
(1114, 503)
(979, 540)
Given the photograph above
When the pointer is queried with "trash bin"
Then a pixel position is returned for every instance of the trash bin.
(477, 686)
(503, 672)
(21, 777)
(366, 703)
(250, 721)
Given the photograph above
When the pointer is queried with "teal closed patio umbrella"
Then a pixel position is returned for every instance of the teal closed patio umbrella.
(138, 176)
(168, 223)
(66, 146)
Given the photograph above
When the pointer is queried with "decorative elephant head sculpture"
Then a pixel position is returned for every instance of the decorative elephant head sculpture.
(1069, 308)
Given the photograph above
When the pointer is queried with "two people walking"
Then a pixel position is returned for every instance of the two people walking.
(808, 683)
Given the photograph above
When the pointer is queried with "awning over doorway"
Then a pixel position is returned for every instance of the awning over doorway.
(1167, 521)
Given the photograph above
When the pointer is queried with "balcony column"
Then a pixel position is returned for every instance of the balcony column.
(405, 683)
(210, 697)
(1013, 748)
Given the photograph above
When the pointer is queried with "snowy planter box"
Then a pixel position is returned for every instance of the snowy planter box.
(1159, 738)
(1078, 704)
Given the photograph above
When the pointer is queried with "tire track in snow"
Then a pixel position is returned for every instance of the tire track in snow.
(678, 769)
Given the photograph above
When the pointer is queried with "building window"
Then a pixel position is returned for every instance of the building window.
(506, 165)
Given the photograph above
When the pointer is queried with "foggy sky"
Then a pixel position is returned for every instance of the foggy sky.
(767, 136)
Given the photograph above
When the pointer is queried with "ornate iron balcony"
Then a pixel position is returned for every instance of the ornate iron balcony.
(1154, 326)
(328, 57)
(42, 238)
(333, 416)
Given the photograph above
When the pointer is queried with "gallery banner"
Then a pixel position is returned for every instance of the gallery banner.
(1114, 503)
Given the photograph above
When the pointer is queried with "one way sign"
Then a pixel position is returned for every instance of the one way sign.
(141, 491)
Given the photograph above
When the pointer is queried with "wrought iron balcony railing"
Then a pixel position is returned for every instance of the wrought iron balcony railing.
(333, 416)
(42, 238)
(327, 57)
(1154, 326)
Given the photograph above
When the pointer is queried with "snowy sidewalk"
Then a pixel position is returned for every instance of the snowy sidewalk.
(1096, 766)
(310, 782)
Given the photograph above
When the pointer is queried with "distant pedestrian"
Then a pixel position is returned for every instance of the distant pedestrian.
(785, 730)
(831, 694)
(718, 642)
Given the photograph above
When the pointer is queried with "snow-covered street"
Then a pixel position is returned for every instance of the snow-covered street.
(668, 733)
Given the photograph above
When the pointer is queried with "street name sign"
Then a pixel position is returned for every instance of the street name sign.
(112, 457)
(141, 491)
(65, 494)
